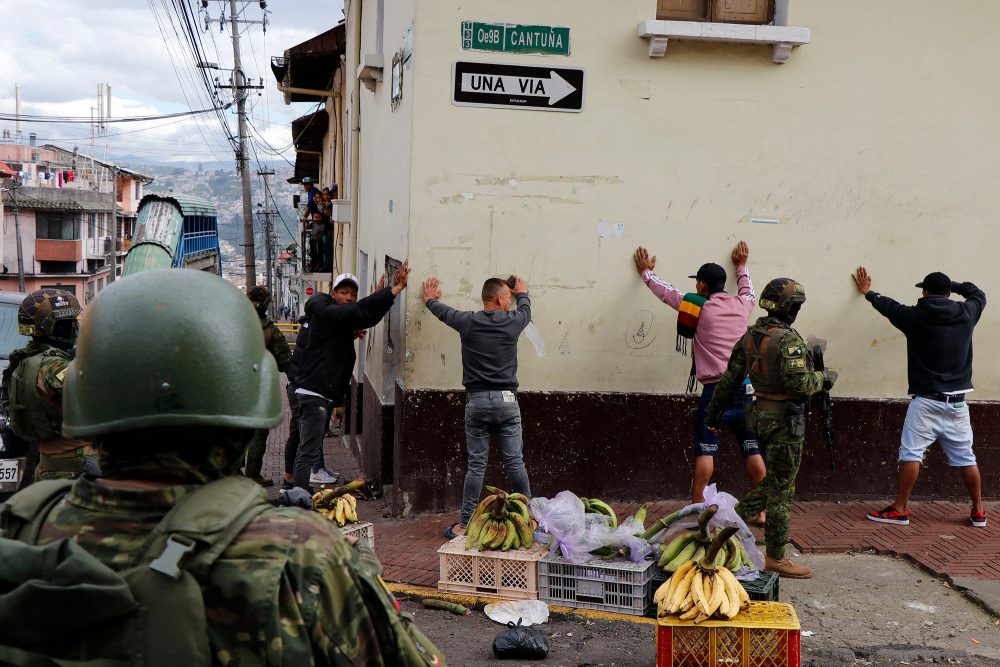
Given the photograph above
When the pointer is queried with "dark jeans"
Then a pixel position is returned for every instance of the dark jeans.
(489, 413)
(313, 411)
(292, 444)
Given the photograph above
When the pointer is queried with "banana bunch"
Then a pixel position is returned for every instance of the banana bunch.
(501, 521)
(700, 590)
(343, 511)
(327, 498)
(595, 506)
(690, 545)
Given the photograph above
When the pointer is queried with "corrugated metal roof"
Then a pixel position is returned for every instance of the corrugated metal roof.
(188, 204)
(30, 203)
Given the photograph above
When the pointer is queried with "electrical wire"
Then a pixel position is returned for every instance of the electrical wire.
(80, 119)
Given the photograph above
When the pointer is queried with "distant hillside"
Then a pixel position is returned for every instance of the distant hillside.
(222, 187)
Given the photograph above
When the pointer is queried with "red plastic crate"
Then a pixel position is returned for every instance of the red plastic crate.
(766, 635)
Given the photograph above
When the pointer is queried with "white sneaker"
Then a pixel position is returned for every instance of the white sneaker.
(323, 476)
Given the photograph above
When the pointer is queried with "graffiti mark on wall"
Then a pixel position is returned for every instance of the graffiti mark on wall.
(639, 333)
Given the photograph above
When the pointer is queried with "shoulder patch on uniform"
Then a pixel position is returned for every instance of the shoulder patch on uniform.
(61, 375)
(797, 363)
(794, 351)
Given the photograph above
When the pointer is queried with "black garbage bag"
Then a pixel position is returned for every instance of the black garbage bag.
(519, 642)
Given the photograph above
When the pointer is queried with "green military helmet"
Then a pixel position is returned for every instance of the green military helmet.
(783, 297)
(260, 297)
(41, 311)
(173, 347)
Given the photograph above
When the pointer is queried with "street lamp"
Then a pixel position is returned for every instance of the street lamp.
(15, 183)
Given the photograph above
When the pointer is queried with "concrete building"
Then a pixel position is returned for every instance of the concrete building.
(65, 208)
(826, 134)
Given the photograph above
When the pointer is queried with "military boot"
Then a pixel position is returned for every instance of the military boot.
(786, 568)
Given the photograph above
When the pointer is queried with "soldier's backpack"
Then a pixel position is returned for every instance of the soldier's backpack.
(61, 607)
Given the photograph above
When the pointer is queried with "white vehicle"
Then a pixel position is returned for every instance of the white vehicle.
(17, 458)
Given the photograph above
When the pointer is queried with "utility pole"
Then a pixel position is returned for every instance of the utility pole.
(240, 97)
(16, 181)
(267, 213)
(239, 86)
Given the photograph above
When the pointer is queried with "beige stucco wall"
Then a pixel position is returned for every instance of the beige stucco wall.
(384, 177)
(876, 144)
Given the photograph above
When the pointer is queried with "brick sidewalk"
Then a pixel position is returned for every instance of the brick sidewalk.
(938, 538)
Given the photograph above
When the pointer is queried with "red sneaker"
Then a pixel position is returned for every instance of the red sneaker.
(977, 519)
(890, 515)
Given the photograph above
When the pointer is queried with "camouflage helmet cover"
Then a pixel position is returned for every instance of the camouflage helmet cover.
(260, 297)
(781, 295)
(40, 310)
(170, 348)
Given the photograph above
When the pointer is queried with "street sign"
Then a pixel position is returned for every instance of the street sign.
(513, 38)
(309, 291)
(517, 86)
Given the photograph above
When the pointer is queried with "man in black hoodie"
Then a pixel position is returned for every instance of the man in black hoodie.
(939, 369)
(325, 365)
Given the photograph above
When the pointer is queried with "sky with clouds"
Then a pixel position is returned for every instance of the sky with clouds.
(59, 51)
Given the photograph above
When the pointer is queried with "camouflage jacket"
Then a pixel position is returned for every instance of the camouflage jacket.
(276, 344)
(289, 590)
(795, 373)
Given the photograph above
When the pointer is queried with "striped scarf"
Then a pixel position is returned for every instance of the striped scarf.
(687, 323)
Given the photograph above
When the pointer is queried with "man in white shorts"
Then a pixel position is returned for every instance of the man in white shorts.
(939, 371)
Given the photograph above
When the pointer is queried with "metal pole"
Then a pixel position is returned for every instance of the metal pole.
(267, 234)
(238, 94)
(17, 235)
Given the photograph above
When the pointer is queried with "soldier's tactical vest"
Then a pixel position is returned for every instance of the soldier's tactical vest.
(762, 347)
(31, 416)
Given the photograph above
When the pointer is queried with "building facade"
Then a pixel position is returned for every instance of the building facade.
(827, 135)
(64, 206)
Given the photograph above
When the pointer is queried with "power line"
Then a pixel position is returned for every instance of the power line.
(80, 119)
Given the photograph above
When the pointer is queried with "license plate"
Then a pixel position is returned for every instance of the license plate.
(11, 471)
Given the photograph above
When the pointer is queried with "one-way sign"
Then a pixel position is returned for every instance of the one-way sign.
(517, 86)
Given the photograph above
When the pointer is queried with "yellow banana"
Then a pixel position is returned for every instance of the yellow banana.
(701, 592)
(341, 517)
(744, 597)
(717, 595)
(690, 614)
(681, 591)
(664, 590)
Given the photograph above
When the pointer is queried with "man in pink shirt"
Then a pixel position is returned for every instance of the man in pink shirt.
(721, 322)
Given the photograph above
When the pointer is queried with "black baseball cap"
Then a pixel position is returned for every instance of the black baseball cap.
(935, 282)
(712, 274)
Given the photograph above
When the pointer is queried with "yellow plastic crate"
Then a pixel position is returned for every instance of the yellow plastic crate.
(766, 635)
(504, 575)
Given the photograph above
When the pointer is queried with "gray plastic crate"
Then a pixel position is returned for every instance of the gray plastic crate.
(623, 587)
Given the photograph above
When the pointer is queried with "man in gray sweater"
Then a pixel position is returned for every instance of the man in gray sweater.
(489, 374)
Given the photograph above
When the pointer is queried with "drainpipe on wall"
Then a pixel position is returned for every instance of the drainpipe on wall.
(355, 6)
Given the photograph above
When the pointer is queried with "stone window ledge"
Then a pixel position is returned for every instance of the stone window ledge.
(781, 38)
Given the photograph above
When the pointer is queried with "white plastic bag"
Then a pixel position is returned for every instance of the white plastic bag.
(530, 612)
(725, 517)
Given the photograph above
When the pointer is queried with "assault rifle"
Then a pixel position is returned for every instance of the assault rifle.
(826, 405)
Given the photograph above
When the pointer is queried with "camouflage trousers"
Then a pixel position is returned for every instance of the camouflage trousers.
(782, 456)
(255, 454)
(68, 465)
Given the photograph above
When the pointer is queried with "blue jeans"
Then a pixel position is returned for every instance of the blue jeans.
(706, 443)
(313, 411)
(489, 413)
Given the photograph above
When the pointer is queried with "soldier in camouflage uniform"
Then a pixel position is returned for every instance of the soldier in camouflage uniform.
(277, 345)
(289, 589)
(774, 356)
(34, 383)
